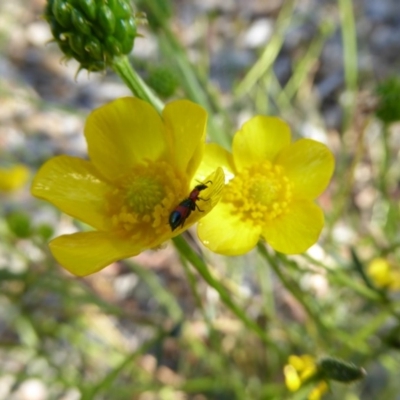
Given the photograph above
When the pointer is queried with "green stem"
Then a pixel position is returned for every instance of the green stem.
(135, 83)
(186, 251)
(108, 381)
(194, 86)
(349, 38)
(270, 52)
(294, 290)
(386, 163)
(340, 277)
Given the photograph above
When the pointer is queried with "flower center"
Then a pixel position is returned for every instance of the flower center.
(142, 199)
(144, 193)
(262, 192)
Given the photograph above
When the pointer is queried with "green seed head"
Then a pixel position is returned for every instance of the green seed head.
(92, 31)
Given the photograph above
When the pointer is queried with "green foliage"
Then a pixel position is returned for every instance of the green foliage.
(388, 92)
(45, 231)
(20, 224)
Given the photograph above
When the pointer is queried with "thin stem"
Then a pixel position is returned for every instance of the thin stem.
(135, 83)
(194, 88)
(349, 40)
(386, 163)
(186, 251)
(270, 52)
(294, 290)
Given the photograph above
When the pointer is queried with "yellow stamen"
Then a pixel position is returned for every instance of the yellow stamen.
(262, 192)
(144, 197)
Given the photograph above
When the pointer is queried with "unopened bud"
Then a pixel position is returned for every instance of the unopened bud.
(338, 370)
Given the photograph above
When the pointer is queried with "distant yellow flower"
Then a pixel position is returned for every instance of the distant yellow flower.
(383, 274)
(319, 390)
(13, 178)
(141, 167)
(301, 369)
(271, 190)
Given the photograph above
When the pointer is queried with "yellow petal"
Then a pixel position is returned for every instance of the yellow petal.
(122, 134)
(292, 379)
(395, 280)
(13, 178)
(296, 362)
(224, 232)
(87, 252)
(309, 167)
(318, 391)
(379, 271)
(315, 394)
(308, 372)
(296, 231)
(185, 123)
(74, 186)
(194, 162)
(209, 198)
(308, 361)
(261, 138)
(216, 156)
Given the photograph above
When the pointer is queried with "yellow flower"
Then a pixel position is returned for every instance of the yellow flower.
(304, 365)
(318, 391)
(301, 369)
(13, 178)
(271, 190)
(141, 167)
(383, 274)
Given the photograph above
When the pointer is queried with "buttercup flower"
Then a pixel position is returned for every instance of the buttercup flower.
(271, 190)
(383, 274)
(142, 165)
(13, 178)
(301, 369)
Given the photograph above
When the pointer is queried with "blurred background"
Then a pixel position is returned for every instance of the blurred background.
(149, 328)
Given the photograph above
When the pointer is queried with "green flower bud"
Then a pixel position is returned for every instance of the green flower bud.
(92, 31)
(338, 370)
(163, 80)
